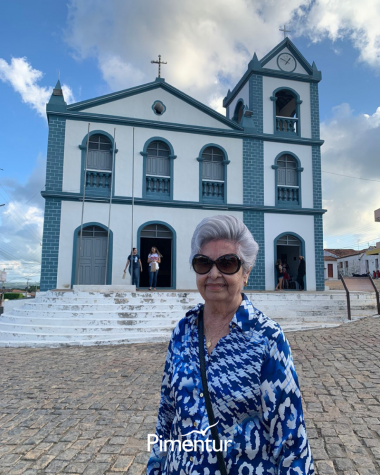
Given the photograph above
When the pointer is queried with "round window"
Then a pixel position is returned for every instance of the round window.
(158, 108)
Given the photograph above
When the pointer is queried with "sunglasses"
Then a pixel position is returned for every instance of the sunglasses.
(227, 264)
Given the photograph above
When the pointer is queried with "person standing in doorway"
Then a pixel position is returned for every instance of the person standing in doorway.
(135, 267)
(154, 259)
(301, 273)
(280, 275)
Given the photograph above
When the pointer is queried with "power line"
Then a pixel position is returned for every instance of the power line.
(33, 254)
(20, 214)
(356, 243)
(17, 255)
(350, 176)
(371, 227)
(21, 225)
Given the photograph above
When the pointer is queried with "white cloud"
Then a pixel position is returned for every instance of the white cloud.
(115, 71)
(339, 19)
(21, 221)
(68, 94)
(207, 45)
(20, 74)
(351, 149)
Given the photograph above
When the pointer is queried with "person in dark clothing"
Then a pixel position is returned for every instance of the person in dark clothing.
(301, 273)
(135, 267)
(280, 275)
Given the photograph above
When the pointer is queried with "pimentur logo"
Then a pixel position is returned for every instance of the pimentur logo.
(188, 445)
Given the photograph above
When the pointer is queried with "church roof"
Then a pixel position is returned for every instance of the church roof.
(158, 83)
(256, 66)
(57, 101)
(287, 43)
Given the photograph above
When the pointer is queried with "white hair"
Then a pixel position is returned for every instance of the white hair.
(227, 228)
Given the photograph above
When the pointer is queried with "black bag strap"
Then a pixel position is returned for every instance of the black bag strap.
(210, 412)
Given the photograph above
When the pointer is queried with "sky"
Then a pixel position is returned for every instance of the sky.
(97, 47)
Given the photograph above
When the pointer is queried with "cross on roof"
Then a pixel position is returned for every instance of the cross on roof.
(285, 31)
(159, 62)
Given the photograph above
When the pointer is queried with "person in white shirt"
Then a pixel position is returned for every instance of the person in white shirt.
(154, 258)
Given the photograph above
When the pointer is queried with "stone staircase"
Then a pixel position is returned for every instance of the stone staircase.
(60, 318)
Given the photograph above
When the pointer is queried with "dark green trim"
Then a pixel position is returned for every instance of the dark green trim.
(182, 204)
(299, 171)
(287, 43)
(225, 163)
(172, 156)
(184, 128)
(174, 247)
(257, 67)
(303, 248)
(109, 266)
(255, 223)
(318, 246)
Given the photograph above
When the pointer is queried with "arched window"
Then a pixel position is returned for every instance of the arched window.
(239, 110)
(288, 180)
(99, 153)
(213, 161)
(158, 169)
(286, 111)
(99, 163)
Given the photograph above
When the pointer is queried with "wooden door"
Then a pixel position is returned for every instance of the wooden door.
(92, 260)
(330, 271)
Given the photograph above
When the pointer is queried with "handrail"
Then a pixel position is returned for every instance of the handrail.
(377, 294)
(284, 117)
(347, 296)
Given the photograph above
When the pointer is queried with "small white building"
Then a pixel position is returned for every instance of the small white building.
(177, 161)
(348, 262)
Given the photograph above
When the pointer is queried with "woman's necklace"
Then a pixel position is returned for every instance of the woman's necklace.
(209, 338)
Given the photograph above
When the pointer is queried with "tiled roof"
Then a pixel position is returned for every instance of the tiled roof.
(339, 253)
(329, 258)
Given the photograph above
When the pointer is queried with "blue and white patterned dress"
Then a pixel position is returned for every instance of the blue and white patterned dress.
(255, 396)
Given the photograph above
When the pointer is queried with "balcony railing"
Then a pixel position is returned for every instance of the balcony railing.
(287, 124)
(213, 190)
(158, 185)
(288, 194)
(98, 180)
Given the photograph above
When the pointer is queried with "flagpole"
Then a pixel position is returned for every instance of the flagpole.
(84, 196)
(133, 197)
(109, 211)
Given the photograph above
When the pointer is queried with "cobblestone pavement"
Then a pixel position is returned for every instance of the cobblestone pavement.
(89, 410)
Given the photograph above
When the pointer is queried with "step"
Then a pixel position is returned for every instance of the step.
(108, 320)
(31, 340)
(81, 330)
(100, 309)
(170, 304)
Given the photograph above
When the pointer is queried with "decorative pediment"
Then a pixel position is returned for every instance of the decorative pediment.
(155, 101)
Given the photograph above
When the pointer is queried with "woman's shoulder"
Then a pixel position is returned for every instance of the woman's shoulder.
(262, 324)
(186, 323)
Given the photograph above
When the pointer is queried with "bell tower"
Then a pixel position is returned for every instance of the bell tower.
(276, 103)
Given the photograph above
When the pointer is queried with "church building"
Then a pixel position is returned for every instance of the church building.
(173, 161)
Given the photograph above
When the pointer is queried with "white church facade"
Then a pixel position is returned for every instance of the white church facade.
(177, 161)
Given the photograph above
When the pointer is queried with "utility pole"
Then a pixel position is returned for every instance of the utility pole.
(3, 278)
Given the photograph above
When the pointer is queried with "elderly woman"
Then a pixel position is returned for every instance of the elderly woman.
(230, 367)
